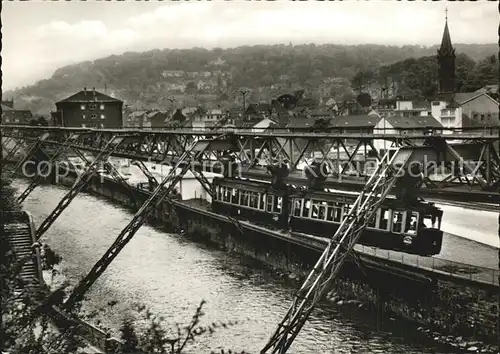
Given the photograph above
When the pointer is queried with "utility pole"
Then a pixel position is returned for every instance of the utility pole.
(244, 93)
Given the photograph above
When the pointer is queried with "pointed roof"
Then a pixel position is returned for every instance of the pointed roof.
(446, 46)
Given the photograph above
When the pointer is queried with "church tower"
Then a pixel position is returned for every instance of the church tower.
(446, 64)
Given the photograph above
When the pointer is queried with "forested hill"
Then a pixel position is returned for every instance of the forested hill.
(141, 77)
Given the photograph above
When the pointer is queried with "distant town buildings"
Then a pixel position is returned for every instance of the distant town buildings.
(12, 116)
(89, 109)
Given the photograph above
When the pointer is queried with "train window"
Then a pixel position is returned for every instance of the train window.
(346, 208)
(384, 219)
(244, 198)
(397, 221)
(269, 203)
(305, 210)
(329, 212)
(278, 204)
(227, 195)
(322, 211)
(218, 192)
(235, 198)
(254, 200)
(373, 223)
(297, 207)
(314, 210)
(337, 214)
(262, 202)
(411, 222)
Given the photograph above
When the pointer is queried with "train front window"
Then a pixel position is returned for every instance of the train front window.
(411, 222)
(397, 221)
(297, 207)
(384, 219)
(431, 221)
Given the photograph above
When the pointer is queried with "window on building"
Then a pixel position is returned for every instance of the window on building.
(82, 107)
(84, 116)
(102, 116)
(102, 125)
(101, 107)
(7, 120)
(92, 107)
(93, 116)
(16, 120)
(482, 117)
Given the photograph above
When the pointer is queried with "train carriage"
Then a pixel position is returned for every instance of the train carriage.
(396, 226)
(250, 200)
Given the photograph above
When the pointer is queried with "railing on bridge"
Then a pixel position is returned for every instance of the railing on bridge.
(437, 265)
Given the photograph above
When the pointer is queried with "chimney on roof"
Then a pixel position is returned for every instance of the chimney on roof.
(93, 90)
(85, 90)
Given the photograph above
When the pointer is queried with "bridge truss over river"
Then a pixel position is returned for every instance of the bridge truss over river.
(452, 165)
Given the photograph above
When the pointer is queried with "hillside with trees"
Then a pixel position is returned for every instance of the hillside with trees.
(418, 78)
(142, 79)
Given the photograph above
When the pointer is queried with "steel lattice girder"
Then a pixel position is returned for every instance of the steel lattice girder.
(334, 150)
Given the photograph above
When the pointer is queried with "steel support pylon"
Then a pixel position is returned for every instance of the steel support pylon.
(320, 278)
(154, 201)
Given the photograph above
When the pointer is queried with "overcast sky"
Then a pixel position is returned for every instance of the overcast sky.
(39, 37)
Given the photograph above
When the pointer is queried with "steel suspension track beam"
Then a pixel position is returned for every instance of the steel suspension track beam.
(80, 183)
(341, 244)
(154, 201)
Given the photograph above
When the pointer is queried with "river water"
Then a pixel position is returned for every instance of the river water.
(171, 276)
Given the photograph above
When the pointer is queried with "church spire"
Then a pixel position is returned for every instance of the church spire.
(446, 61)
(446, 46)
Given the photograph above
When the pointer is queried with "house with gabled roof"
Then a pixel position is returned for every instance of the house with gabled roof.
(91, 109)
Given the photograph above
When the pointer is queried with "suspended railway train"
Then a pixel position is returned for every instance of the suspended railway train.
(414, 229)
